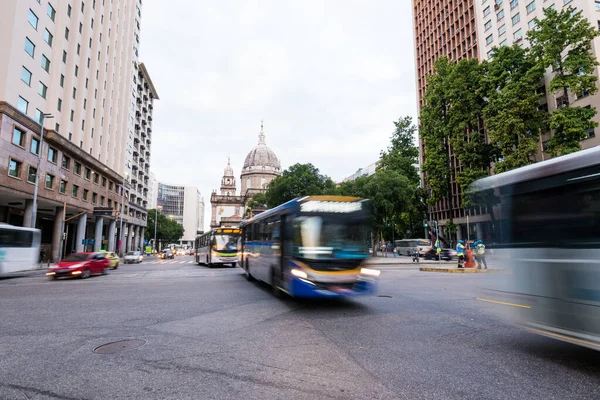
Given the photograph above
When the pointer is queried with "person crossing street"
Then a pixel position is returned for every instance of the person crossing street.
(480, 254)
(460, 252)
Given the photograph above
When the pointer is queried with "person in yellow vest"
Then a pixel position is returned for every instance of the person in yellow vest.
(480, 254)
(460, 252)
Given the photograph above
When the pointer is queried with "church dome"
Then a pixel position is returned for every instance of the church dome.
(262, 156)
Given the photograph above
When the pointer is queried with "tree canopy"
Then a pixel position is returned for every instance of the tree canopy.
(297, 181)
(167, 229)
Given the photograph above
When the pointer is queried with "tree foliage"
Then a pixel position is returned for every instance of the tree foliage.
(297, 181)
(402, 154)
(512, 116)
(259, 200)
(167, 229)
(562, 41)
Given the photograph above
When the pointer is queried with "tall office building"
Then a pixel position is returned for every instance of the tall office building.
(185, 205)
(443, 28)
(506, 22)
(74, 60)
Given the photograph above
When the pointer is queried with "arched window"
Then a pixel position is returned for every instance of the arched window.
(248, 183)
(263, 183)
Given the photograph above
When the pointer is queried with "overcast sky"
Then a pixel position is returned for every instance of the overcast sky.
(328, 77)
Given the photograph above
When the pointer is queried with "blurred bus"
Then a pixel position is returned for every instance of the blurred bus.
(407, 246)
(218, 246)
(314, 246)
(546, 220)
(19, 248)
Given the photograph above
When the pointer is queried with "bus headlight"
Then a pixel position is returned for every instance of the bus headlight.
(299, 274)
(370, 272)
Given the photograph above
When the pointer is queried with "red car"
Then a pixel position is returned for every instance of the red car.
(81, 265)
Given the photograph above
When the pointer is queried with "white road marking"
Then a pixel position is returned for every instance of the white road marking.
(181, 262)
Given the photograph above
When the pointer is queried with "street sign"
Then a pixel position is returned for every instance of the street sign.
(103, 211)
(88, 241)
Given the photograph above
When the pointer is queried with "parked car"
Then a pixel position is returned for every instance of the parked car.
(133, 257)
(445, 254)
(166, 254)
(113, 260)
(81, 265)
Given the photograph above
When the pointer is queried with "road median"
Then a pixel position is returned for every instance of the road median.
(456, 270)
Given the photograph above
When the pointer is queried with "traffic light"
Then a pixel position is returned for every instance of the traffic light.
(425, 223)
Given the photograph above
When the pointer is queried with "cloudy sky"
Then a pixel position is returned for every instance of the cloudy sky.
(328, 77)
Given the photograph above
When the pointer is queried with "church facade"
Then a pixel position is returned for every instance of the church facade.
(261, 166)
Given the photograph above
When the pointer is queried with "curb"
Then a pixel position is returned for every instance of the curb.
(461, 270)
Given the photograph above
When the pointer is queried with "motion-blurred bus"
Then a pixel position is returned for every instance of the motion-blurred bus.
(546, 219)
(218, 246)
(314, 246)
(19, 248)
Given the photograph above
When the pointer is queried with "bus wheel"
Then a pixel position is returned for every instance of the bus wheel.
(276, 283)
(233, 265)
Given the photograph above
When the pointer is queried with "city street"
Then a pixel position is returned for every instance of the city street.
(197, 333)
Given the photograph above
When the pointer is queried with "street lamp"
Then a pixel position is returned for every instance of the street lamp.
(37, 171)
(158, 208)
(121, 214)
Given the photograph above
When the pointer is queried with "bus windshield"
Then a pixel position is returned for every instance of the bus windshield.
(320, 237)
(226, 242)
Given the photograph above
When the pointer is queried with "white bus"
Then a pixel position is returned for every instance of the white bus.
(407, 246)
(19, 248)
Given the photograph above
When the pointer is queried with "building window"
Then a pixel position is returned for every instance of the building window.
(502, 30)
(489, 39)
(38, 115)
(63, 186)
(518, 35)
(52, 155)
(48, 37)
(101, 200)
(109, 202)
(64, 58)
(85, 194)
(500, 15)
(567, 1)
(22, 105)
(531, 24)
(531, 6)
(29, 47)
(88, 173)
(66, 162)
(516, 18)
(76, 70)
(67, 33)
(43, 90)
(33, 19)
(51, 12)
(94, 198)
(74, 93)
(77, 169)
(45, 63)
(513, 4)
(490, 54)
(82, 124)
(49, 181)
(31, 174)
(70, 136)
(488, 24)
(59, 105)
(590, 133)
(597, 5)
(110, 185)
(57, 127)
(35, 146)
(69, 10)
(14, 168)
(74, 190)
(96, 178)
(486, 11)
(82, 6)
(26, 76)
(78, 49)
(62, 80)
(72, 115)
(103, 182)
(80, 27)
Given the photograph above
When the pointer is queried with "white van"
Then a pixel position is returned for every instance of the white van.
(407, 246)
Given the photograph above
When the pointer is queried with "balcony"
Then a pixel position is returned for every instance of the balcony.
(137, 127)
(140, 87)
(150, 106)
(150, 118)
(144, 110)
(143, 135)
(149, 130)
(138, 100)
(134, 167)
(138, 114)
(144, 122)
(135, 152)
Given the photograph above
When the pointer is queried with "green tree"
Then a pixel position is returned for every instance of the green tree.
(297, 181)
(402, 153)
(167, 229)
(562, 41)
(258, 201)
(434, 132)
(513, 118)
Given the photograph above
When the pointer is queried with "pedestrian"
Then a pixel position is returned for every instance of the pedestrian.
(460, 252)
(395, 252)
(480, 254)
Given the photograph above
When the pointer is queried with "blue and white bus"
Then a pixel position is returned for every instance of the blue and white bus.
(19, 248)
(314, 246)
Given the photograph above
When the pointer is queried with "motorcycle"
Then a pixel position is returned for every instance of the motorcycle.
(415, 256)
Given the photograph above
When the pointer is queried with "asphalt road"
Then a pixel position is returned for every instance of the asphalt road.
(209, 334)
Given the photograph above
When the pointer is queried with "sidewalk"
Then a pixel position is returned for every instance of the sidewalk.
(405, 260)
(456, 270)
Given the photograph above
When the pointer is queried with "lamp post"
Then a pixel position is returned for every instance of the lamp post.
(37, 171)
(158, 208)
(121, 214)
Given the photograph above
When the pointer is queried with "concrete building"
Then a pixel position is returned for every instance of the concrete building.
(153, 190)
(443, 28)
(185, 205)
(366, 171)
(261, 166)
(504, 23)
(74, 60)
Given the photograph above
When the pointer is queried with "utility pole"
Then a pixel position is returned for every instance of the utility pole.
(121, 217)
(158, 208)
(37, 171)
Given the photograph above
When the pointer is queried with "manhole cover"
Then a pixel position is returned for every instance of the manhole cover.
(117, 347)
